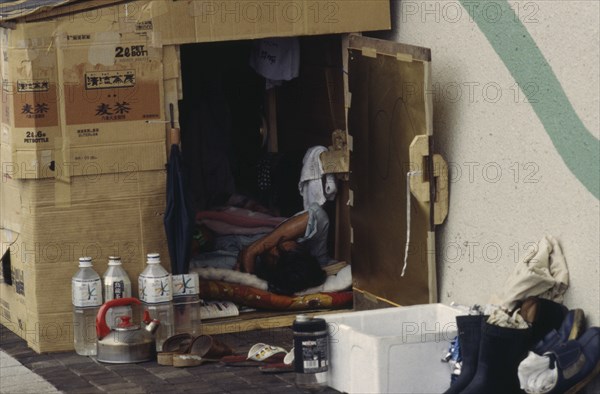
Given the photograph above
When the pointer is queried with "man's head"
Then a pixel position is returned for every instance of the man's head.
(294, 271)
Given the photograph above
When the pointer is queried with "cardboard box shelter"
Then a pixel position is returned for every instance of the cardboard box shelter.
(86, 89)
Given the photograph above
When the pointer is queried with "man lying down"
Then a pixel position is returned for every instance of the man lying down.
(289, 257)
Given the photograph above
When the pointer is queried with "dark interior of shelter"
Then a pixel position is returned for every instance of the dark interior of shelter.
(224, 128)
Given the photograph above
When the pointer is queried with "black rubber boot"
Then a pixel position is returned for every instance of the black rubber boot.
(500, 352)
(469, 336)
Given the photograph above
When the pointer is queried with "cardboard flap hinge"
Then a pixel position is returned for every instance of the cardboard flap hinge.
(336, 160)
(422, 165)
(404, 57)
(369, 52)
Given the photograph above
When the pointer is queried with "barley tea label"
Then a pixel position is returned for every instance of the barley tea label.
(186, 284)
(87, 293)
(155, 289)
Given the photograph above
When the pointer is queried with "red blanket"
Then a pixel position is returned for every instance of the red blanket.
(255, 298)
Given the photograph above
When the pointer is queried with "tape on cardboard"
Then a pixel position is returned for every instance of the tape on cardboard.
(369, 52)
(351, 235)
(404, 57)
(350, 142)
(62, 192)
(431, 272)
(428, 98)
(348, 99)
(350, 198)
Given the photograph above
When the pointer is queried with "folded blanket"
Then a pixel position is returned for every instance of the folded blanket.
(256, 298)
(338, 282)
(241, 217)
(224, 228)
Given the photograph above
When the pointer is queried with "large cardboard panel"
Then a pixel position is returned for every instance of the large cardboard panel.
(50, 332)
(44, 330)
(30, 107)
(13, 309)
(109, 214)
(113, 105)
(389, 108)
(180, 22)
(115, 214)
(134, 18)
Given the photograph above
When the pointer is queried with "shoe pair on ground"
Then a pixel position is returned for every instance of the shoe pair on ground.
(184, 350)
(567, 358)
(491, 354)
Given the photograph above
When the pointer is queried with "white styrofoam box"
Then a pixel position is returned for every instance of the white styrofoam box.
(392, 350)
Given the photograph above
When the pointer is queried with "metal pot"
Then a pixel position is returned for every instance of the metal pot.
(127, 343)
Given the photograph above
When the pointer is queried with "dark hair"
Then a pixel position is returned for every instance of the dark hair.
(294, 271)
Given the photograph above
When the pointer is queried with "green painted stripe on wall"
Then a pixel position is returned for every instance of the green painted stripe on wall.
(579, 149)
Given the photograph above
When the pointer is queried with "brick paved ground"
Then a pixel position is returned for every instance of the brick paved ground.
(71, 373)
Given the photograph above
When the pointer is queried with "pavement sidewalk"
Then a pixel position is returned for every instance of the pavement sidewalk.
(15, 378)
(68, 372)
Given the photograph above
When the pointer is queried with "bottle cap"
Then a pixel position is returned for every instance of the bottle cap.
(114, 260)
(153, 258)
(309, 324)
(85, 262)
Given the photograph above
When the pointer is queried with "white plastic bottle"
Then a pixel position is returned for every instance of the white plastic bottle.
(86, 292)
(156, 293)
(116, 285)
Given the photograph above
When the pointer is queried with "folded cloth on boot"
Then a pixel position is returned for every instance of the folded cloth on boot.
(311, 185)
(501, 318)
(542, 272)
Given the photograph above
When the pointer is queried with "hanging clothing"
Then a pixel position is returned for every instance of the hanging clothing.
(314, 185)
(276, 59)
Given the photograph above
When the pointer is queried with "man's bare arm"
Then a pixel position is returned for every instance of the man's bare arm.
(287, 231)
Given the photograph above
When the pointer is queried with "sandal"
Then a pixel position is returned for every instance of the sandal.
(286, 366)
(271, 359)
(176, 344)
(203, 348)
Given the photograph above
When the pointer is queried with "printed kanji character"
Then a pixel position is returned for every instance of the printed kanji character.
(27, 109)
(185, 285)
(103, 109)
(117, 79)
(41, 108)
(91, 292)
(122, 108)
(130, 78)
(93, 81)
(164, 287)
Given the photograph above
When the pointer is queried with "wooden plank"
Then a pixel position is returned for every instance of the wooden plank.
(258, 321)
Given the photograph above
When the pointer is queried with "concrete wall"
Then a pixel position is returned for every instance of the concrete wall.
(519, 169)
